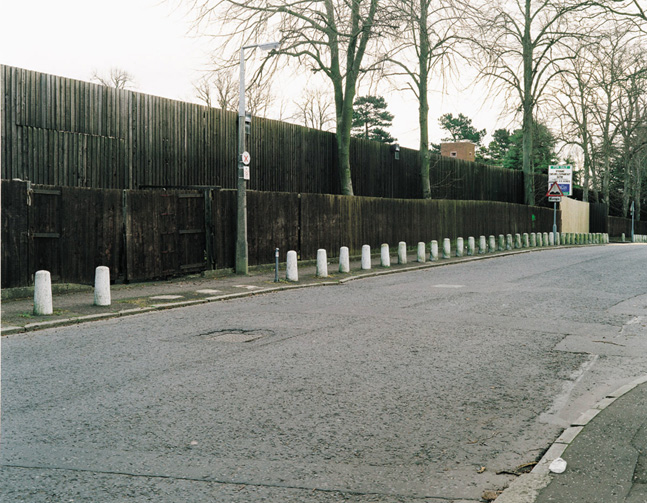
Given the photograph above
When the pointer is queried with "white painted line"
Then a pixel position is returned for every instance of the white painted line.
(207, 291)
(166, 297)
(448, 286)
(248, 287)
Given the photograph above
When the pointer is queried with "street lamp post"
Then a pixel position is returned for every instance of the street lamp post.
(241, 196)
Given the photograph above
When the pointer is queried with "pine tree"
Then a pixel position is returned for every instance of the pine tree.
(371, 118)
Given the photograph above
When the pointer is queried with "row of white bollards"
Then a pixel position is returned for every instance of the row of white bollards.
(43, 303)
(485, 245)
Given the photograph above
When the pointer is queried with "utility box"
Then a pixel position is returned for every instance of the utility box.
(463, 150)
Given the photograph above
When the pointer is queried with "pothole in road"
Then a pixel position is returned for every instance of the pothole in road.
(236, 335)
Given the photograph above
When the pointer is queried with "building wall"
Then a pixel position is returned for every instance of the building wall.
(463, 150)
(575, 215)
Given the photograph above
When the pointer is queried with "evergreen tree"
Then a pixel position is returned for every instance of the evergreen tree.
(461, 128)
(543, 149)
(371, 118)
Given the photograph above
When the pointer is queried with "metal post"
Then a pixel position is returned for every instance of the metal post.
(555, 223)
(276, 265)
(241, 199)
(633, 240)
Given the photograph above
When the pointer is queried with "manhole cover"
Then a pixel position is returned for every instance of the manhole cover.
(236, 335)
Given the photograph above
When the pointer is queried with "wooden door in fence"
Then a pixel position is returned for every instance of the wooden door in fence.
(45, 231)
(165, 233)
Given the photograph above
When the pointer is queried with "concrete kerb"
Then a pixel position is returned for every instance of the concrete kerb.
(526, 488)
(171, 305)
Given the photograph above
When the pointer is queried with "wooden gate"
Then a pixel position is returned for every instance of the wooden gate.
(45, 231)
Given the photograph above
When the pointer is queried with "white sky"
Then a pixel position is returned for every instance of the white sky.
(149, 39)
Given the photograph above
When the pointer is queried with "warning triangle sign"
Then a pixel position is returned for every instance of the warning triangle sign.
(554, 190)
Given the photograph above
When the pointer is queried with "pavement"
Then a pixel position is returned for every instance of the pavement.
(605, 449)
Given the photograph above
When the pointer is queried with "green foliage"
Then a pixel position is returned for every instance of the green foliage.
(510, 146)
(461, 128)
(371, 119)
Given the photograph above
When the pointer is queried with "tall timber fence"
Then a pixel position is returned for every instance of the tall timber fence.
(148, 234)
(64, 132)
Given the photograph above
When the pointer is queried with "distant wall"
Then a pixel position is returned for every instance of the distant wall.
(575, 215)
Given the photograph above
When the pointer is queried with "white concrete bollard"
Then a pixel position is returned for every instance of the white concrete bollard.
(471, 245)
(366, 257)
(291, 268)
(385, 258)
(501, 243)
(558, 239)
(447, 248)
(102, 286)
(422, 252)
(402, 252)
(482, 245)
(508, 242)
(526, 240)
(551, 239)
(492, 243)
(517, 240)
(545, 239)
(540, 240)
(344, 259)
(460, 246)
(622, 237)
(322, 263)
(43, 293)
(434, 251)
(533, 239)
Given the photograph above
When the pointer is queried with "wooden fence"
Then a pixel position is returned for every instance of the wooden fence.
(148, 234)
(64, 132)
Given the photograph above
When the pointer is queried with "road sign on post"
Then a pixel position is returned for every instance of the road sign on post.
(563, 175)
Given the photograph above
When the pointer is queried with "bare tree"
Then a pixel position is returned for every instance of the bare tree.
(202, 89)
(226, 89)
(328, 36)
(315, 110)
(117, 77)
(426, 42)
(521, 47)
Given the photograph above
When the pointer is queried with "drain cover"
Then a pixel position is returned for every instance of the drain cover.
(236, 335)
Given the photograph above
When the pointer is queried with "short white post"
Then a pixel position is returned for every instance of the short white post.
(492, 243)
(558, 239)
(545, 239)
(482, 245)
(526, 240)
(447, 248)
(322, 263)
(291, 268)
(517, 240)
(540, 240)
(622, 237)
(533, 239)
(422, 252)
(102, 286)
(551, 239)
(434, 250)
(366, 257)
(344, 259)
(501, 246)
(460, 246)
(385, 257)
(43, 293)
(508, 242)
(471, 245)
(402, 252)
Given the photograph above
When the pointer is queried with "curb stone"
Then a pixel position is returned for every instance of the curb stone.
(526, 488)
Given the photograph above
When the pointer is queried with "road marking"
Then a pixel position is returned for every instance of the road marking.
(448, 286)
(248, 287)
(207, 291)
(166, 297)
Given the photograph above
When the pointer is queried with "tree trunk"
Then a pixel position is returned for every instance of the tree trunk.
(423, 98)
(528, 105)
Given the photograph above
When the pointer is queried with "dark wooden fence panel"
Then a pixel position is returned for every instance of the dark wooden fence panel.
(70, 133)
(14, 240)
(619, 225)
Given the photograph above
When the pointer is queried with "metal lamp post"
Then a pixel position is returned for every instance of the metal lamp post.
(241, 205)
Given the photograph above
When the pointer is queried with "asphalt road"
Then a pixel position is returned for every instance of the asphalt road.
(418, 386)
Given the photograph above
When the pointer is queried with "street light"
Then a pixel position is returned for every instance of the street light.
(241, 205)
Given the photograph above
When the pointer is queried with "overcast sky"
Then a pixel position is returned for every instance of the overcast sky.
(150, 40)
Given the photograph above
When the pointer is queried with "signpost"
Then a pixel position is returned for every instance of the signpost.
(554, 195)
(563, 175)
